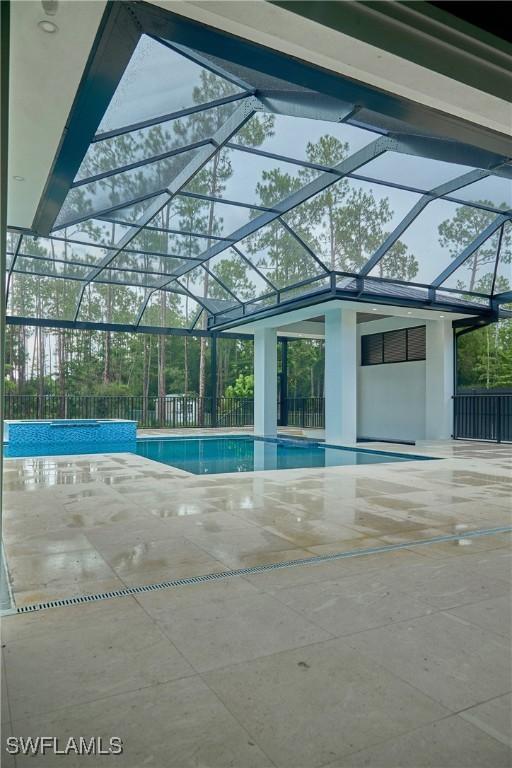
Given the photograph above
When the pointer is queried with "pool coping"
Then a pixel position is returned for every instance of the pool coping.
(293, 441)
(241, 436)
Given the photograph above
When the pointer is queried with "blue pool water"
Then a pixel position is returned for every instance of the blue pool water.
(218, 455)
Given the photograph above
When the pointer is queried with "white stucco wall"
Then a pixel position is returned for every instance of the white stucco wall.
(391, 397)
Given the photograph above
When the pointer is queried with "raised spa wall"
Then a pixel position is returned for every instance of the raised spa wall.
(65, 431)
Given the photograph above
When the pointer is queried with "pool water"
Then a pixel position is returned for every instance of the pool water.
(219, 455)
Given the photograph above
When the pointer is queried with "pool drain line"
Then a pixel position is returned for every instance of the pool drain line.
(128, 591)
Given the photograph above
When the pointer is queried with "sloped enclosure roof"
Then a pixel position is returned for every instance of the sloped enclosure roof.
(203, 180)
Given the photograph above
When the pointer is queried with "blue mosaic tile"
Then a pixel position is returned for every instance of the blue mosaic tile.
(69, 431)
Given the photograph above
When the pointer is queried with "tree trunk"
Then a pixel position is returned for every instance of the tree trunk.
(162, 387)
(202, 378)
(40, 368)
(185, 365)
(472, 279)
(107, 349)
(203, 345)
(332, 241)
(61, 372)
(222, 364)
(107, 346)
(146, 366)
(22, 351)
(162, 384)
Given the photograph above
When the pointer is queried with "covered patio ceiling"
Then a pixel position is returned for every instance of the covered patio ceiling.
(203, 181)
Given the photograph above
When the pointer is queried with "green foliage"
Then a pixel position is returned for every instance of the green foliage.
(477, 272)
(242, 387)
(344, 225)
(112, 389)
(305, 368)
(485, 357)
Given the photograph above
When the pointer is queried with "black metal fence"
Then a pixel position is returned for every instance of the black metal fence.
(305, 412)
(483, 417)
(476, 416)
(170, 412)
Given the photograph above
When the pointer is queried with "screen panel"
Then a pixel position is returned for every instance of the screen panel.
(159, 81)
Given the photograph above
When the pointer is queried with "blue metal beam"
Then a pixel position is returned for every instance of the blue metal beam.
(437, 192)
(139, 164)
(306, 104)
(86, 325)
(255, 268)
(169, 116)
(316, 95)
(447, 151)
(322, 182)
(435, 149)
(323, 295)
(196, 319)
(498, 255)
(150, 228)
(469, 250)
(205, 64)
(186, 292)
(152, 196)
(360, 288)
(222, 284)
(432, 151)
(74, 263)
(113, 47)
(503, 298)
(226, 201)
(304, 245)
(89, 325)
(99, 281)
(405, 283)
(417, 191)
(11, 269)
(235, 54)
(106, 247)
(281, 158)
(232, 124)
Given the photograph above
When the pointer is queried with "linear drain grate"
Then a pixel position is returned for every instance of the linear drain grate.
(127, 591)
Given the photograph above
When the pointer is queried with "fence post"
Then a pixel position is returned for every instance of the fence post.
(498, 419)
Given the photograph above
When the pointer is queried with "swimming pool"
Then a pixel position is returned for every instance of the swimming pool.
(220, 455)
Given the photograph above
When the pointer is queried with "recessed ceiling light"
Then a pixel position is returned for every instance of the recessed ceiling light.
(374, 309)
(19, 178)
(409, 313)
(50, 7)
(441, 315)
(47, 26)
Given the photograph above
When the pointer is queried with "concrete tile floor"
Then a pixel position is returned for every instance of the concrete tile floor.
(392, 659)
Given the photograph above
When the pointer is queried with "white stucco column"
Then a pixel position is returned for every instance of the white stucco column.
(439, 379)
(265, 382)
(265, 455)
(340, 376)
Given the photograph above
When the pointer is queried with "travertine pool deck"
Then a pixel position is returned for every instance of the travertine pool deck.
(398, 658)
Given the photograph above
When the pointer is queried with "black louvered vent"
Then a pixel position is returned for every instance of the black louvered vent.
(400, 346)
(395, 346)
(416, 343)
(371, 351)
